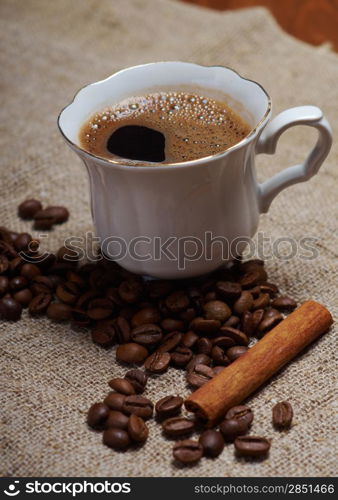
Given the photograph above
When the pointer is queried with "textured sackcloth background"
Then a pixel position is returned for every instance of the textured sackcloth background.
(51, 374)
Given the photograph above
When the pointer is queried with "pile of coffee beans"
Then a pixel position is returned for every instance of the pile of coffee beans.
(199, 325)
(44, 218)
(122, 415)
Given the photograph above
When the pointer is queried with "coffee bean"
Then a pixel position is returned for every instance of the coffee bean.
(138, 405)
(168, 406)
(270, 319)
(97, 415)
(217, 369)
(199, 375)
(171, 325)
(189, 339)
(177, 301)
(41, 284)
(219, 357)
(118, 439)
(233, 321)
(233, 427)
(115, 401)
(157, 362)
(237, 336)
(29, 271)
(61, 214)
(228, 289)
(130, 291)
(145, 316)
(24, 297)
(249, 279)
(22, 242)
(28, 208)
(10, 309)
(284, 303)
(84, 298)
(59, 311)
(137, 429)
(122, 386)
(39, 304)
(199, 359)
(121, 328)
(68, 292)
(212, 442)
(103, 332)
(243, 303)
(236, 352)
(187, 451)
(269, 288)
(117, 419)
(99, 309)
(170, 342)
(223, 341)
(131, 353)
(50, 215)
(252, 446)
(138, 379)
(147, 334)
(253, 277)
(261, 302)
(4, 285)
(240, 412)
(204, 345)
(282, 414)
(181, 356)
(218, 310)
(18, 283)
(43, 220)
(205, 326)
(178, 426)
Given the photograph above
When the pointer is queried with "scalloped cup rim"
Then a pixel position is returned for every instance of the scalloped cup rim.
(160, 166)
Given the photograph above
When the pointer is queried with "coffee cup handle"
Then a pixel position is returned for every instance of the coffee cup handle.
(267, 142)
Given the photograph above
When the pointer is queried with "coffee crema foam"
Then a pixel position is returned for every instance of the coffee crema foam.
(193, 126)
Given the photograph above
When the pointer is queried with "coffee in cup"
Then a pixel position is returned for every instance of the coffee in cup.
(163, 127)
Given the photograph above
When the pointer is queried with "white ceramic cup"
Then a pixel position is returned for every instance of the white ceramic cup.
(154, 220)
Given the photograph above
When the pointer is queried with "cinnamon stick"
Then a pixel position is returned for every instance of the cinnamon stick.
(237, 381)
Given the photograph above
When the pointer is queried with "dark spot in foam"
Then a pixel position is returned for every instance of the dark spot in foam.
(135, 142)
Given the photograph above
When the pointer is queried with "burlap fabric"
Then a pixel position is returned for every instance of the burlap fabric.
(51, 374)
